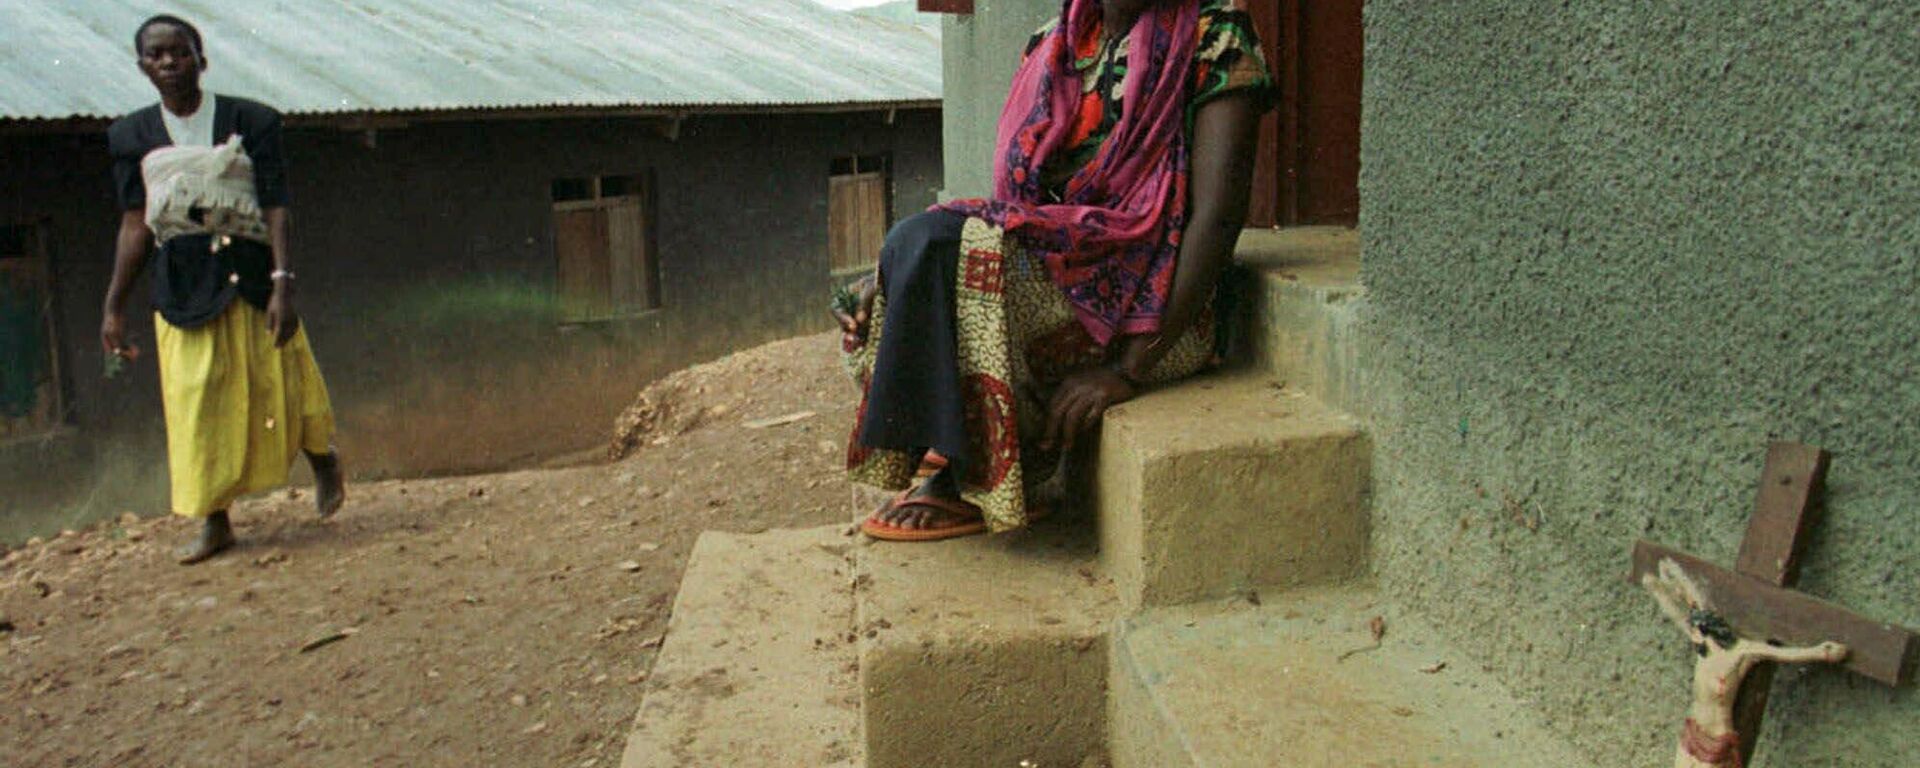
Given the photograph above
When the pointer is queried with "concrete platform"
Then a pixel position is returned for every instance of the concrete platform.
(1239, 686)
(1315, 256)
(1220, 485)
(984, 651)
(758, 663)
(1305, 297)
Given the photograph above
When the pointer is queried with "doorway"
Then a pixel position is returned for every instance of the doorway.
(1308, 167)
(30, 391)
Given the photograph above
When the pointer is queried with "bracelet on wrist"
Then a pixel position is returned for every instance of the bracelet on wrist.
(281, 274)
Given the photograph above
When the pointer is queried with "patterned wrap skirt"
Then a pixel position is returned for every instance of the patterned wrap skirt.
(1016, 339)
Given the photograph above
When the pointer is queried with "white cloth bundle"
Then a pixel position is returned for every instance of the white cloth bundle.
(202, 190)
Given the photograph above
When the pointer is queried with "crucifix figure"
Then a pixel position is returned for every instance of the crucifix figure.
(1743, 621)
(1709, 740)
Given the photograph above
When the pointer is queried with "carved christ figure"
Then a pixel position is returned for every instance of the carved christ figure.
(1709, 740)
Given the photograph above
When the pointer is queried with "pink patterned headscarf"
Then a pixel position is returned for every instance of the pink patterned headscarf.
(1112, 239)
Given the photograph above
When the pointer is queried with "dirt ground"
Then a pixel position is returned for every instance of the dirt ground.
(499, 620)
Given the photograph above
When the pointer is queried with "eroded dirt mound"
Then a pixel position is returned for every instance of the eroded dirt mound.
(730, 386)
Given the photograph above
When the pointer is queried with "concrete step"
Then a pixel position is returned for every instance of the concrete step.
(984, 651)
(1305, 296)
(758, 664)
(1237, 685)
(1226, 484)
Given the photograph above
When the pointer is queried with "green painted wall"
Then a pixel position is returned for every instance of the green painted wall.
(981, 51)
(1610, 250)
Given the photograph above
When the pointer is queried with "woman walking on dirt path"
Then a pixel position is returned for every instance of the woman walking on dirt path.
(204, 177)
(999, 330)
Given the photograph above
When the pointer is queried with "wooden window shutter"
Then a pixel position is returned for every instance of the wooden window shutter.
(580, 242)
(856, 219)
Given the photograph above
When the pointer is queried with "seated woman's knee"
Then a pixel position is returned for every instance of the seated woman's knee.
(908, 241)
(920, 226)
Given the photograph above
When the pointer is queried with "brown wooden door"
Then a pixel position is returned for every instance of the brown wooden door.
(1309, 159)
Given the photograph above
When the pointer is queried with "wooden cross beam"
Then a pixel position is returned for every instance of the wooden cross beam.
(946, 6)
(1756, 596)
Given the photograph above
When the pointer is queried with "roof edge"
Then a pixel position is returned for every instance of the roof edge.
(364, 119)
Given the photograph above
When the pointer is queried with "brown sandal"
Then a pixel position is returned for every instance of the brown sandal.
(873, 527)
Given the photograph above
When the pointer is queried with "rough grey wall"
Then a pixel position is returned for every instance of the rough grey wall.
(1611, 249)
(427, 273)
(981, 51)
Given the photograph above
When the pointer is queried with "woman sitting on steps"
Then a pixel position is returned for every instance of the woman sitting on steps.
(998, 330)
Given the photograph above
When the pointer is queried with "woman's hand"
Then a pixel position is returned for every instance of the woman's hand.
(113, 336)
(856, 320)
(282, 321)
(1080, 402)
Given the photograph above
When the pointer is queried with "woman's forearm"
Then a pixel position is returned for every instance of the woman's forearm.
(130, 250)
(278, 222)
(1205, 252)
(1221, 174)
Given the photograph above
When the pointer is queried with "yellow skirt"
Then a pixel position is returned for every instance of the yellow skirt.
(239, 410)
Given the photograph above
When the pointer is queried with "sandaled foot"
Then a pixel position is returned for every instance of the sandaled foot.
(216, 536)
(925, 519)
(330, 483)
(931, 512)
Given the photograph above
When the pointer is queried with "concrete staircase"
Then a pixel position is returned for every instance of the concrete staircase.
(986, 652)
(758, 664)
(1228, 484)
(1257, 686)
(1212, 615)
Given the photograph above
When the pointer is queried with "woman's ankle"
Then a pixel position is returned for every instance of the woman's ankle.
(941, 483)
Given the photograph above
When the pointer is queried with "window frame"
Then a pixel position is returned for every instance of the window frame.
(640, 197)
(857, 166)
(36, 252)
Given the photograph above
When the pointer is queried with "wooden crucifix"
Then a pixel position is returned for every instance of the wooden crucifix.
(1743, 620)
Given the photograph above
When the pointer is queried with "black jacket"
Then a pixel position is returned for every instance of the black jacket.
(192, 283)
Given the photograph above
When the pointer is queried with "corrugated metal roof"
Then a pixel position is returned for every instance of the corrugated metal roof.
(74, 58)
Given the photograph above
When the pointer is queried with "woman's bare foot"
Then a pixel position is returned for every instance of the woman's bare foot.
(330, 482)
(216, 536)
(919, 517)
